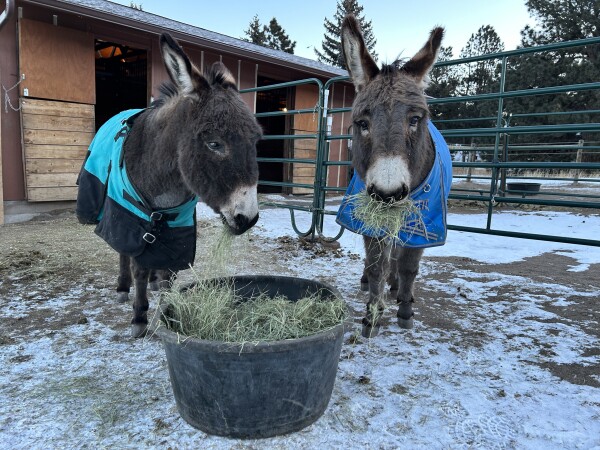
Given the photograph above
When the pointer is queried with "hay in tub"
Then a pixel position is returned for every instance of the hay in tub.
(213, 310)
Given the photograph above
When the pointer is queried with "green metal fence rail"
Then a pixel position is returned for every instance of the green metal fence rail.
(498, 153)
(318, 109)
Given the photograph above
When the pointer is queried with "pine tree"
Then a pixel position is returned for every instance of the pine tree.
(481, 76)
(273, 36)
(443, 83)
(557, 21)
(256, 32)
(332, 45)
(278, 39)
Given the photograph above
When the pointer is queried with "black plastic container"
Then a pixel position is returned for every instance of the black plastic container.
(523, 188)
(255, 390)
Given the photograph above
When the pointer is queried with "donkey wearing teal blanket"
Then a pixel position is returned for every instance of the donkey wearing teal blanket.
(198, 141)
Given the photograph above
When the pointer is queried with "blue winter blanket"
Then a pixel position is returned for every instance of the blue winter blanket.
(157, 239)
(431, 197)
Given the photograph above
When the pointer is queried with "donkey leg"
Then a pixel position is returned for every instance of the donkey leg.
(139, 323)
(364, 280)
(124, 280)
(393, 278)
(376, 261)
(407, 270)
(154, 280)
(165, 278)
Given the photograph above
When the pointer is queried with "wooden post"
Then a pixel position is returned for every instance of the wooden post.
(1, 182)
(578, 159)
(470, 158)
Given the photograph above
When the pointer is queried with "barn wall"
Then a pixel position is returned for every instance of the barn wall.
(12, 163)
(341, 96)
(244, 70)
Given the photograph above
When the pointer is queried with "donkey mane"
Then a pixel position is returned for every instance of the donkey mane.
(215, 75)
(393, 68)
(400, 65)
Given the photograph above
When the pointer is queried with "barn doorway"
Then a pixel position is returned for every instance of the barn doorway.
(121, 79)
(270, 101)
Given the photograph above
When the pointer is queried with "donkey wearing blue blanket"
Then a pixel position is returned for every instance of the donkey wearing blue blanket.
(399, 154)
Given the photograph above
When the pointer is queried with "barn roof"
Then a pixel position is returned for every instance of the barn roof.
(142, 20)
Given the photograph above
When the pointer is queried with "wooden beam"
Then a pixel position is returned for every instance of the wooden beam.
(1, 183)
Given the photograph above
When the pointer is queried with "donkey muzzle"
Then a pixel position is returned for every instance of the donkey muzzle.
(241, 212)
(387, 196)
(242, 223)
(388, 179)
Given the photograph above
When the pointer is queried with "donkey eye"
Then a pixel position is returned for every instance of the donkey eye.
(362, 125)
(215, 146)
(414, 120)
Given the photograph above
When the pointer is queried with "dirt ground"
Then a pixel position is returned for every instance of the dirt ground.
(41, 260)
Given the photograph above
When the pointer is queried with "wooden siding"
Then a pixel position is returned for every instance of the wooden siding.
(56, 136)
(307, 96)
(57, 62)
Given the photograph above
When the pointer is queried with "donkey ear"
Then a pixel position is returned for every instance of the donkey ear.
(420, 64)
(179, 67)
(220, 74)
(360, 64)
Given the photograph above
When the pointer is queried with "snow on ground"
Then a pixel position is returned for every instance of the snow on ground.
(480, 382)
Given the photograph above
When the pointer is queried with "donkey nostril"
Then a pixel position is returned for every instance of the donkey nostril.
(243, 223)
(403, 193)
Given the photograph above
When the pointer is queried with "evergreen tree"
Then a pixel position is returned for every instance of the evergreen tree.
(557, 21)
(481, 76)
(278, 39)
(443, 83)
(273, 36)
(256, 33)
(332, 45)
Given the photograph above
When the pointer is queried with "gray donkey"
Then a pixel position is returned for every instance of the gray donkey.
(147, 168)
(400, 156)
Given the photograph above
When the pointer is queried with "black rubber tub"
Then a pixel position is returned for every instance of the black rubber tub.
(255, 390)
(523, 188)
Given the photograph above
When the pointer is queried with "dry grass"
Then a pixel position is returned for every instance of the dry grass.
(213, 310)
(387, 219)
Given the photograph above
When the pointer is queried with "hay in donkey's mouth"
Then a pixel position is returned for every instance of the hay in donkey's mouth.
(387, 219)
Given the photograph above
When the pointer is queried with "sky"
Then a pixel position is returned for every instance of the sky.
(401, 27)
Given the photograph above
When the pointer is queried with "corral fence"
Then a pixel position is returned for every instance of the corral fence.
(536, 159)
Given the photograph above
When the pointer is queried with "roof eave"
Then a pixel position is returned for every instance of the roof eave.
(189, 38)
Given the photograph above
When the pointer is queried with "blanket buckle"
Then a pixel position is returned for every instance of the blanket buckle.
(149, 238)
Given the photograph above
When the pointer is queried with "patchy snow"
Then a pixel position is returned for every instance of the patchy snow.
(481, 382)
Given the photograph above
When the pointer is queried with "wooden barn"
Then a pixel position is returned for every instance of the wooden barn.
(66, 66)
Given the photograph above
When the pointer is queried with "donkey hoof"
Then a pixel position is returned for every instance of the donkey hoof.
(405, 324)
(139, 330)
(369, 331)
(122, 297)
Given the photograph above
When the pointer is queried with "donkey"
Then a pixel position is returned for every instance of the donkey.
(197, 141)
(397, 152)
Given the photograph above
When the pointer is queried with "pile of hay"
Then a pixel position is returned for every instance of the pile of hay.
(389, 219)
(212, 310)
